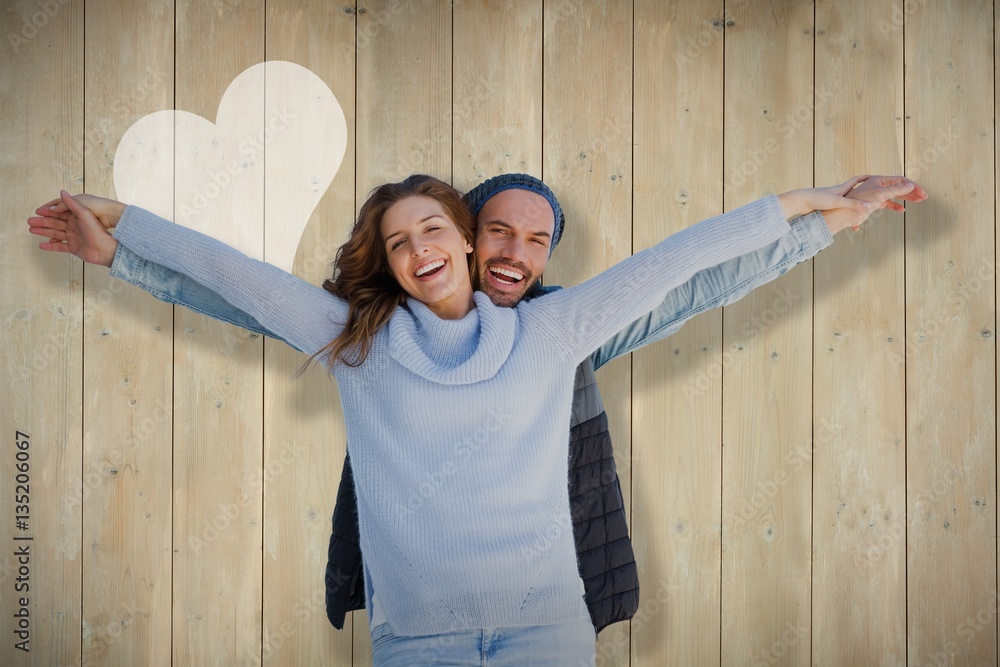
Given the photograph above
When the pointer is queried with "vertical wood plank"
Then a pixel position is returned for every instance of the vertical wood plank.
(127, 370)
(218, 382)
(498, 90)
(404, 92)
(42, 149)
(766, 408)
(587, 161)
(859, 408)
(304, 440)
(950, 337)
(404, 112)
(677, 427)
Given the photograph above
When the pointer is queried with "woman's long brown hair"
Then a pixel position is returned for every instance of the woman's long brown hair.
(361, 271)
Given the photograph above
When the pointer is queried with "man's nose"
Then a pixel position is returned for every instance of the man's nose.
(513, 250)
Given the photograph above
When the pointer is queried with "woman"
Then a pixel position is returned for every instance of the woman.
(439, 384)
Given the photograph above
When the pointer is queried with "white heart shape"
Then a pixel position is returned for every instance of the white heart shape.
(278, 140)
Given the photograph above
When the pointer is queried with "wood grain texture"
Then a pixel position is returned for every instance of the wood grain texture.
(218, 373)
(766, 400)
(304, 439)
(127, 392)
(677, 425)
(497, 109)
(42, 148)
(811, 486)
(587, 161)
(950, 337)
(859, 406)
(404, 61)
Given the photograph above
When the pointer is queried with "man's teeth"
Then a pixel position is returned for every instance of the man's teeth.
(513, 276)
(427, 268)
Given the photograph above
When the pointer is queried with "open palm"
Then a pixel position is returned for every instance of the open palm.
(74, 229)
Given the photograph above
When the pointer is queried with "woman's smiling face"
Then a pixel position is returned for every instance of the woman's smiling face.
(427, 255)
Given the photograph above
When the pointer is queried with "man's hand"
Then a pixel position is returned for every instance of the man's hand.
(107, 211)
(75, 229)
(880, 191)
(850, 203)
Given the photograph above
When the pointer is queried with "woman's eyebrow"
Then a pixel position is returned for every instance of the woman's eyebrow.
(432, 215)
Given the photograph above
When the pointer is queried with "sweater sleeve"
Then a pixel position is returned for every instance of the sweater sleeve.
(306, 316)
(579, 319)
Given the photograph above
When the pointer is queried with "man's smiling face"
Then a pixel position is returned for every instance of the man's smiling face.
(512, 244)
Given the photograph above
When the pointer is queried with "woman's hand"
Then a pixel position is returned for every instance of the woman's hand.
(880, 191)
(107, 211)
(850, 203)
(75, 229)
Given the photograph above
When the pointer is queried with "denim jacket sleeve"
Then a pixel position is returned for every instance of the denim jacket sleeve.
(173, 287)
(720, 285)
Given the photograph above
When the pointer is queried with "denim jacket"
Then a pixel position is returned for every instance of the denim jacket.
(719, 286)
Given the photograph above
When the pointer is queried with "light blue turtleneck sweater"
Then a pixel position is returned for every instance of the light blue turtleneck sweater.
(457, 429)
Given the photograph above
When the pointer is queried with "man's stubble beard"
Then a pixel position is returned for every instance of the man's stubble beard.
(503, 299)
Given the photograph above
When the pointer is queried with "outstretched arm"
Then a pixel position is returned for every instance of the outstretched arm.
(174, 287)
(730, 281)
(583, 317)
(163, 283)
(718, 286)
(305, 316)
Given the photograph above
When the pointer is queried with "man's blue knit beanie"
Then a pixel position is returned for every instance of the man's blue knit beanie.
(477, 197)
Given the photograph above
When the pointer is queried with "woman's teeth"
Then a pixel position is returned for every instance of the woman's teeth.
(428, 268)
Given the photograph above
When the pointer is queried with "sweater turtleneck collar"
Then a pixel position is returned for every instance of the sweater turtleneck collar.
(463, 351)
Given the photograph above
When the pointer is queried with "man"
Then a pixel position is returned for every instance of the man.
(520, 223)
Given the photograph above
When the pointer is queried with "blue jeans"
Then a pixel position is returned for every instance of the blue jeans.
(571, 643)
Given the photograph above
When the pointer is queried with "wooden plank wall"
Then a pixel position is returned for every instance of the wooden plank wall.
(810, 474)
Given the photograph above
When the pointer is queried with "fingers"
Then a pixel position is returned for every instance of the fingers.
(55, 247)
(52, 209)
(894, 191)
(72, 204)
(853, 182)
(46, 223)
(916, 194)
(845, 187)
(54, 234)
